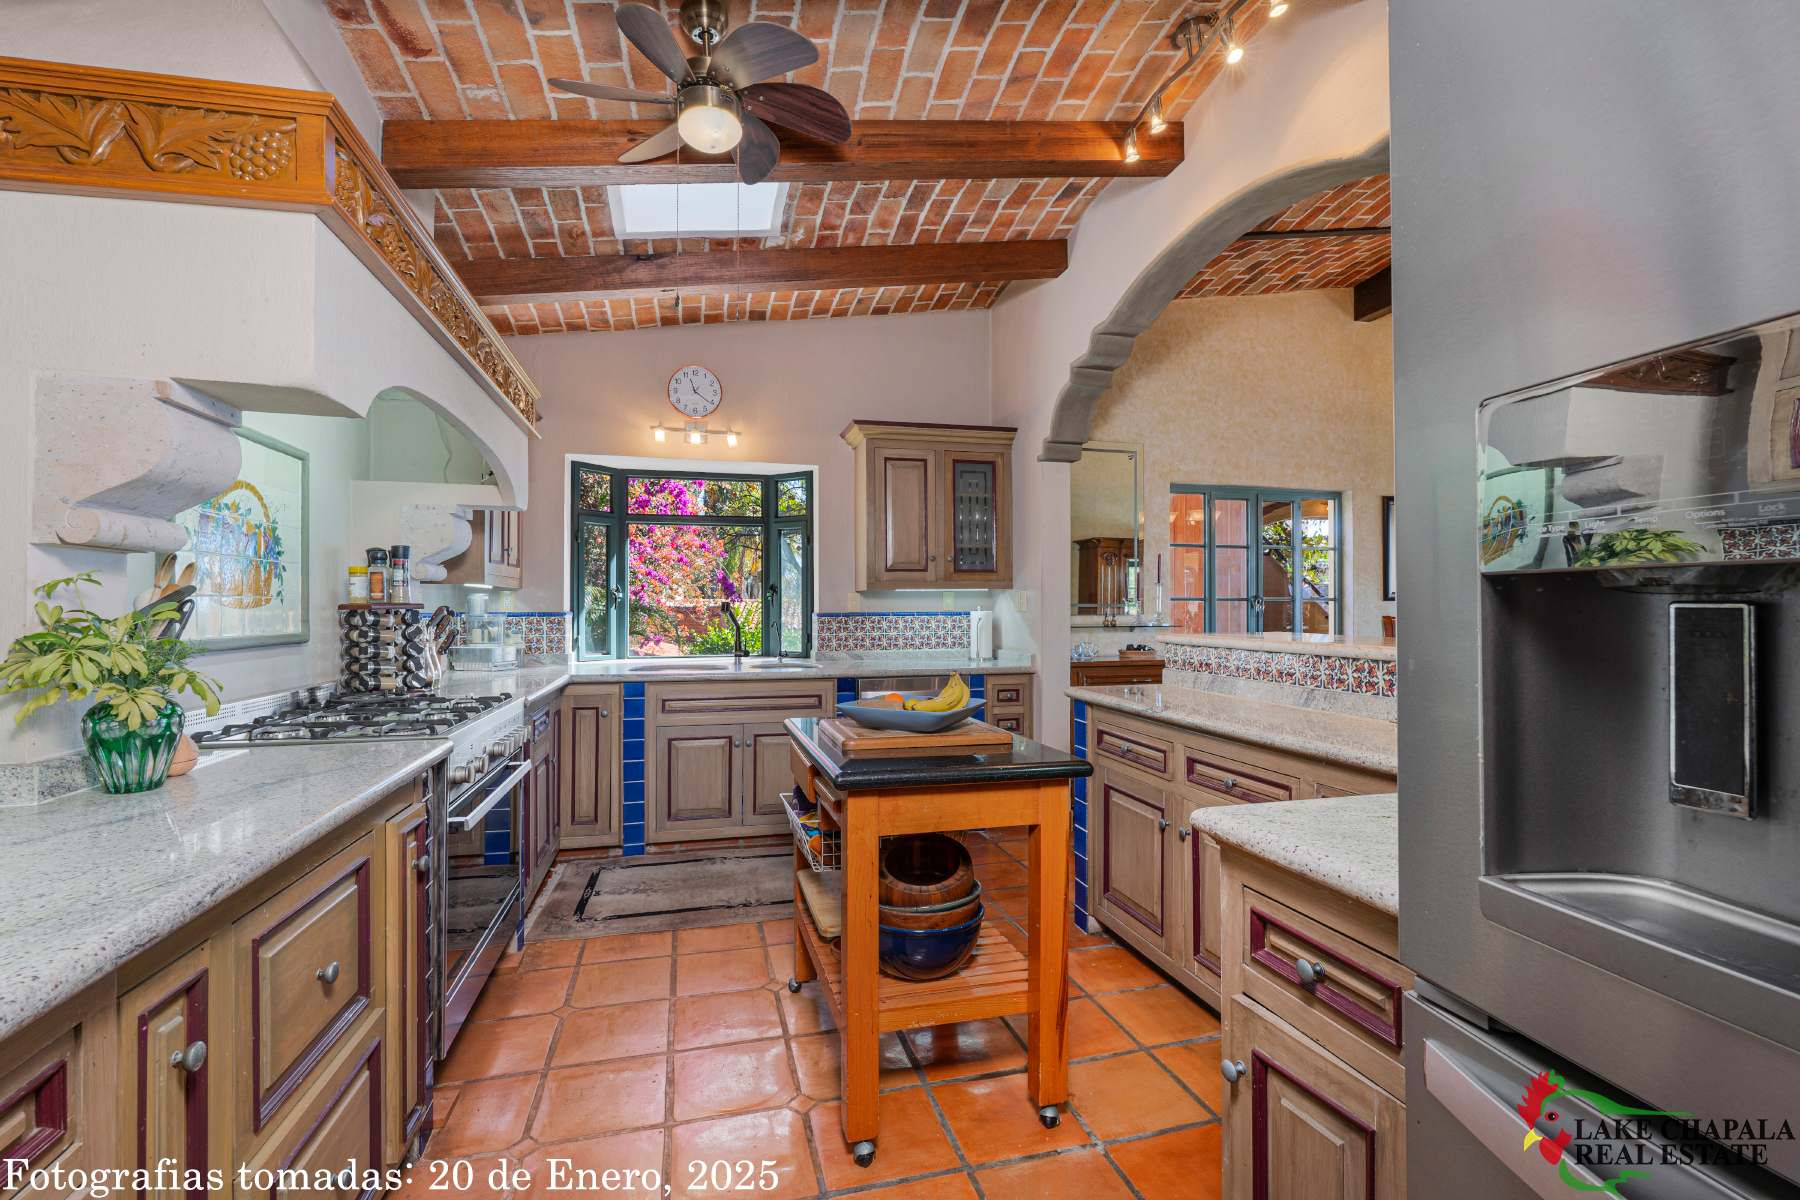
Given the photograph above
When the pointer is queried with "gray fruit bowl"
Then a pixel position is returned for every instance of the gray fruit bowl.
(912, 721)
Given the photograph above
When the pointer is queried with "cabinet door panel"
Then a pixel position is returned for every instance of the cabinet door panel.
(904, 547)
(588, 775)
(1134, 872)
(977, 544)
(1206, 931)
(1313, 1151)
(410, 959)
(167, 1105)
(770, 768)
(697, 781)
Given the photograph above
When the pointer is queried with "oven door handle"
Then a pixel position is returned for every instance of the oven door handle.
(462, 821)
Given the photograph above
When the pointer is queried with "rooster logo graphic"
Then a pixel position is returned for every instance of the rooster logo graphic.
(1535, 1106)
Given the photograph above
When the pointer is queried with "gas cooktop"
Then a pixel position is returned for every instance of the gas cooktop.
(344, 718)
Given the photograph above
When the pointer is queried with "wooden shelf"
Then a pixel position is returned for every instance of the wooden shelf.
(993, 983)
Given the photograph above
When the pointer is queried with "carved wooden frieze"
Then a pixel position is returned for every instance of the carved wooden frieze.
(93, 131)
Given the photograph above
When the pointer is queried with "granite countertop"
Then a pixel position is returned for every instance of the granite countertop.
(533, 681)
(89, 880)
(1350, 844)
(874, 664)
(1305, 643)
(1362, 742)
(1025, 759)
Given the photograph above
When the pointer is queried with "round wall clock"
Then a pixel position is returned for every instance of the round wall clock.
(695, 392)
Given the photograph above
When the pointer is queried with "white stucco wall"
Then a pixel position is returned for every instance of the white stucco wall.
(1312, 85)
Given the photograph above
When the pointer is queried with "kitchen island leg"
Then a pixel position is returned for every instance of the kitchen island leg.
(1047, 1057)
(861, 939)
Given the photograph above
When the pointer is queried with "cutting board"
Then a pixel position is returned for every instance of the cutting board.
(859, 741)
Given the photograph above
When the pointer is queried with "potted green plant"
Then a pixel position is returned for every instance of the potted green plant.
(129, 672)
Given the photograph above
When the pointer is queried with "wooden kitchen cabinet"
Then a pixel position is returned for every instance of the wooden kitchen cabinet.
(697, 776)
(1110, 672)
(719, 757)
(503, 561)
(409, 968)
(539, 802)
(166, 1065)
(1009, 703)
(589, 771)
(933, 505)
(1136, 884)
(768, 772)
(58, 1087)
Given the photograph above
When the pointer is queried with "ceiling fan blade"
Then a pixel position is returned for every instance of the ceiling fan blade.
(757, 152)
(600, 91)
(645, 28)
(654, 146)
(809, 110)
(757, 51)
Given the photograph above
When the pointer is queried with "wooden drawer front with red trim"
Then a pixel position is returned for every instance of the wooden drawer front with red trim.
(1010, 724)
(335, 1123)
(1139, 750)
(1235, 781)
(34, 1116)
(1010, 694)
(309, 967)
(791, 704)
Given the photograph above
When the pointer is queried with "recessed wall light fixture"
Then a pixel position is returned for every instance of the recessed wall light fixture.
(1199, 34)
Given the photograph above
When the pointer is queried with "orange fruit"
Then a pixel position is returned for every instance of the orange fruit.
(895, 696)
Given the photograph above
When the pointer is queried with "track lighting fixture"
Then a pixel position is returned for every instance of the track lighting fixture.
(1131, 150)
(1277, 7)
(1233, 51)
(1157, 124)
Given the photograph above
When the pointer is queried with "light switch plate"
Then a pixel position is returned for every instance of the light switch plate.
(949, 599)
(1019, 600)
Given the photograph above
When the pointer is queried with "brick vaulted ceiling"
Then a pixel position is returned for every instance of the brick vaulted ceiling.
(1259, 267)
(996, 60)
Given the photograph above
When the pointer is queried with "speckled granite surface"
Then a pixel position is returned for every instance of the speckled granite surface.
(1352, 741)
(1348, 843)
(88, 880)
(532, 681)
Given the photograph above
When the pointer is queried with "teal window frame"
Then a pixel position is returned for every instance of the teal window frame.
(1254, 497)
(612, 632)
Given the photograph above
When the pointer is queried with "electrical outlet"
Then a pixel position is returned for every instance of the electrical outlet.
(949, 599)
(1019, 599)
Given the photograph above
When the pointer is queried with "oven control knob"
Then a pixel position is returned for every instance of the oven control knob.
(459, 774)
(478, 765)
(500, 749)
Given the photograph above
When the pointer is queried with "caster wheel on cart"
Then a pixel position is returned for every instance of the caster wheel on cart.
(1049, 1117)
(793, 985)
(864, 1152)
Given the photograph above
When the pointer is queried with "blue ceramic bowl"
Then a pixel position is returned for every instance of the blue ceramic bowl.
(927, 953)
(912, 721)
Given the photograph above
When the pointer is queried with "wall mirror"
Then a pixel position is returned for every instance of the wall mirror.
(1106, 525)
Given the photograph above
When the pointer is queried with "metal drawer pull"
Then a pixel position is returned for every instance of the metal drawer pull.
(604, 713)
(735, 742)
(1232, 1071)
(423, 867)
(1161, 823)
(1230, 782)
(329, 974)
(1310, 972)
(1183, 832)
(191, 1059)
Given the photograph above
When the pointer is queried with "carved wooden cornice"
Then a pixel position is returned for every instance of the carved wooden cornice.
(98, 132)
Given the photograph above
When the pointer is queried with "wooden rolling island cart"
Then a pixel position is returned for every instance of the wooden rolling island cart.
(867, 799)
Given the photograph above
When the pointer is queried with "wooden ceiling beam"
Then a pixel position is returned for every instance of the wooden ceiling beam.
(498, 154)
(718, 272)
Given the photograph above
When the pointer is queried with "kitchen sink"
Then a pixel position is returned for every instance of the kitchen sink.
(768, 664)
(677, 668)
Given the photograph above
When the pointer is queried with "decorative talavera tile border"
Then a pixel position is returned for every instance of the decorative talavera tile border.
(891, 631)
(1762, 541)
(1332, 672)
(543, 632)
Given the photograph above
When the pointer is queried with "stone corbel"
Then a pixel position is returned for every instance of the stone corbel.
(437, 533)
(116, 458)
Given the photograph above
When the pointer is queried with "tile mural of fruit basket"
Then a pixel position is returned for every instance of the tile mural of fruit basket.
(249, 547)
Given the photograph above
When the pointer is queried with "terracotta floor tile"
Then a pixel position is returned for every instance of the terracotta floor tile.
(725, 971)
(1131, 1094)
(966, 1048)
(1111, 969)
(1198, 1067)
(718, 937)
(521, 994)
(616, 1031)
(542, 956)
(726, 1017)
(627, 945)
(999, 875)
(1012, 902)
(1159, 1015)
(443, 1100)
(1091, 1031)
(1083, 1173)
(583, 1101)
(485, 1049)
(995, 1119)
(732, 1079)
(817, 1059)
(806, 1011)
(488, 1116)
(1175, 1166)
(781, 961)
(639, 1150)
(987, 852)
(776, 933)
(1081, 939)
(938, 1187)
(911, 1142)
(621, 982)
(778, 1134)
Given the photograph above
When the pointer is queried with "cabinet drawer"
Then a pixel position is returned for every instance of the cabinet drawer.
(307, 958)
(1009, 694)
(790, 704)
(35, 1108)
(1352, 1007)
(1143, 751)
(1010, 724)
(1223, 777)
(336, 1127)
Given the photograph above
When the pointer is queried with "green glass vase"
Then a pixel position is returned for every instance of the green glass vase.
(132, 760)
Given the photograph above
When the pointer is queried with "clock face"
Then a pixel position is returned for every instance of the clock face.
(694, 391)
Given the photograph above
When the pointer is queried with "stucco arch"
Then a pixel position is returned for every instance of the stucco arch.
(1159, 283)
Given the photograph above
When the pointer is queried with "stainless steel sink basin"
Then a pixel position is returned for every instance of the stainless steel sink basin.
(757, 664)
(654, 668)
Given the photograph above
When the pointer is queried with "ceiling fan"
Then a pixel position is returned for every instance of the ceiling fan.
(720, 101)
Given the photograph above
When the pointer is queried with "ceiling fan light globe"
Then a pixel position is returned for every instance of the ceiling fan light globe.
(709, 121)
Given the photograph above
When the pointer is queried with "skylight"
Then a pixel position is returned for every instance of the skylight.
(648, 210)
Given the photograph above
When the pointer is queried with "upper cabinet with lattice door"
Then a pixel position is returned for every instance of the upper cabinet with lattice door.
(933, 504)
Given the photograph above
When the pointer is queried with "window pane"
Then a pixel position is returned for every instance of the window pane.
(1277, 584)
(1278, 616)
(1277, 523)
(1187, 519)
(1318, 573)
(1189, 616)
(593, 491)
(679, 574)
(1316, 525)
(791, 498)
(1318, 616)
(974, 528)
(693, 497)
(792, 582)
(1228, 522)
(1189, 574)
(1233, 615)
(592, 625)
(1231, 573)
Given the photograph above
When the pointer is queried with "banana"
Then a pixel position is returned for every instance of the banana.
(954, 696)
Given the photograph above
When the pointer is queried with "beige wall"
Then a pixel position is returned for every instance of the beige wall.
(790, 388)
(1281, 391)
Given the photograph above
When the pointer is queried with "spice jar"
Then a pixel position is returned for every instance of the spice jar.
(399, 577)
(378, 568)
(359, 585)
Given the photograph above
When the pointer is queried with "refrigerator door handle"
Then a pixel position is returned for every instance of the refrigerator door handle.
(1495, 1123)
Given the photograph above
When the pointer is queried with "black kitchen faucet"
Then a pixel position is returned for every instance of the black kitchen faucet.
(737, 632)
